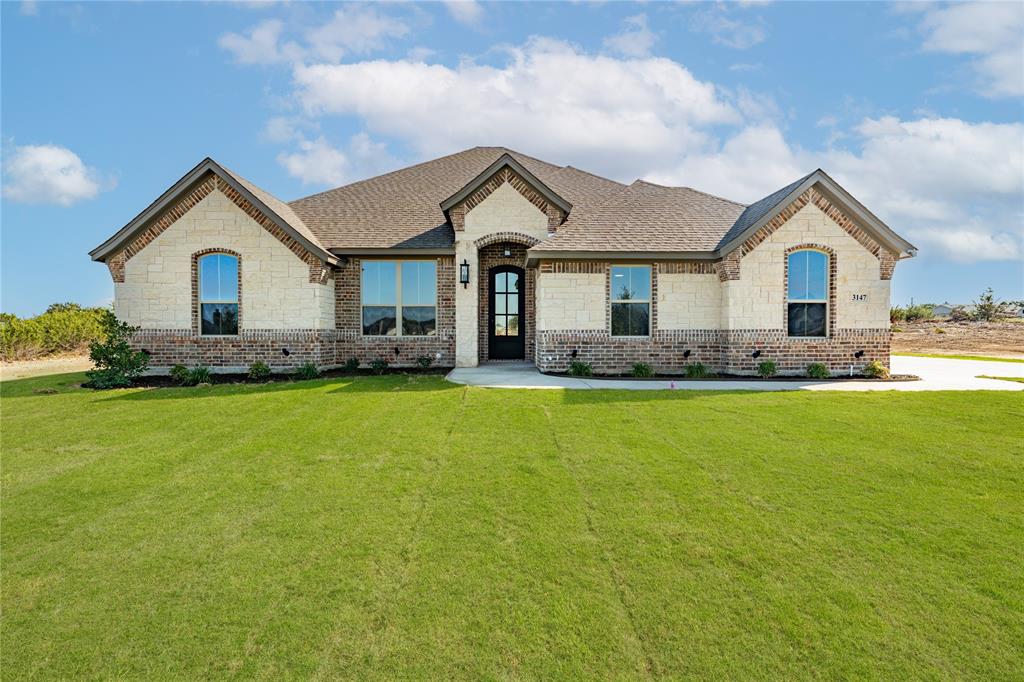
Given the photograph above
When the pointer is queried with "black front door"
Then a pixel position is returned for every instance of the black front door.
(506, 337)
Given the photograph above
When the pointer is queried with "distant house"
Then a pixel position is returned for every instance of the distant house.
(490, 254)
(943, 309)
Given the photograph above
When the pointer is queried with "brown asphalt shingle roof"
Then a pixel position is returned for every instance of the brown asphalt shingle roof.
(283, 210)
(402, 209)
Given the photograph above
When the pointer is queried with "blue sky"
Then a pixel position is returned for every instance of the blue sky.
(914, 108)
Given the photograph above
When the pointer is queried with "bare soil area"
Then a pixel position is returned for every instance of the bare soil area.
(55, 364)
(1003, 339)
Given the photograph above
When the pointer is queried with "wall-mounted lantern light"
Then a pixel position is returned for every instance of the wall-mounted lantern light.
(464, 273)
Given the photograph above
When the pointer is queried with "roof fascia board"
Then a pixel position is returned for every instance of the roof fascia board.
(505, 160)
(139, 222)
(443, 251)
(868, 220)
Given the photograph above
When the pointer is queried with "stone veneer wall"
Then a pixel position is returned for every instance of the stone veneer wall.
(492, 256)
(723, 350)
(350, 342)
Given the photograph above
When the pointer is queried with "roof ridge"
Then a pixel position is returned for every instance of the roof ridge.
(691, 189)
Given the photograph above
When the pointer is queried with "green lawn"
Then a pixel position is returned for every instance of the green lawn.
(1019, 380)
(395, 527)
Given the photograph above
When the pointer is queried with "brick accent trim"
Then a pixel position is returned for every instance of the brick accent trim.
(832, 270)
(574, 267)
(514, 237)
(457, 213)
(729, 268)
(687, 267)
(197, 323)
(319, 271)
(491, 256)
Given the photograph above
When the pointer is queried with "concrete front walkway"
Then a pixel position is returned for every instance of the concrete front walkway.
(936, 375)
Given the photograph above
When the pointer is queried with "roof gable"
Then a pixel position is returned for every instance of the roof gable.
(276, 212)
(761, 213)
(505, 161)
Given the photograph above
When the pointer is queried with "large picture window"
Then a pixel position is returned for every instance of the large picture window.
(807, 294)
(631, 300)
(399, 298)
(218, 294)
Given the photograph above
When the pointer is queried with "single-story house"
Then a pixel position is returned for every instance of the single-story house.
(489, 254)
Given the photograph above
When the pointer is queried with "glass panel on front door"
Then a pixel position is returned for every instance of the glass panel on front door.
(506, 304)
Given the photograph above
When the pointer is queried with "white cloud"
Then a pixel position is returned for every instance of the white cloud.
(29, 8)
(635, 39)
(351, 30)
(467, 12)
(992, 31)
(354, 30)
(261, 44)
(317, 162)
(618, 116)
(49, 174)
(720, 23)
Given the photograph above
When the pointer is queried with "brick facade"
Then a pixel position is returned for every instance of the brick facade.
(350, 342)
(168, 347)
(458, 213)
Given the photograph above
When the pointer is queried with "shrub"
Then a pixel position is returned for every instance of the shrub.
(198, 375)
(919, 312)
(578, 368)
(988, 308)
(696, 370)
(351, 365)
(896, 330)
(816, 370)
(642, 369)
(179, 375)
(940, 330)
(767, 368)
(897, 314)
(62, 328)
(306, 371)
(116, 362)
(876, 370)
(379, 365)
(424, 361)
(960, 314)
(259, 371)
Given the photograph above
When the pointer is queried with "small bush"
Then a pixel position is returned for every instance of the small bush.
(960, 314)
(940, 330)
(919, 312)
(816, 370)
(896, 330)
(876, 370)
(198, 375)
(116, 363)
(306, 371)
(696, 370)
(424, 361)
(578, 368)
(179, 375)
(62, 328)
(379, 365)
(897, 314)
(351, 365)
(988, 308)
(259, 371)
(642, 369)
(767, 369)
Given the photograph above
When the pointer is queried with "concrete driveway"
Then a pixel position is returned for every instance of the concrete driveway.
(937, 374)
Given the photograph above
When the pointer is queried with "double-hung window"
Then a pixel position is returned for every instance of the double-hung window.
(218, 294)
(631, 300)
(399, 298)
(807, 294)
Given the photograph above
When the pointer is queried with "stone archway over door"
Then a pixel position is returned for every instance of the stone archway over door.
(493, 256)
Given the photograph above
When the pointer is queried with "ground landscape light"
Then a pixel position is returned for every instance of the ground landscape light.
(686, 353)
(575, 352)
(284, 352)
(859, 354)
(756, 354)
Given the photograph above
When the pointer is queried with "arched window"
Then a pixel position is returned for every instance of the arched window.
(807, 295)
(218, 294)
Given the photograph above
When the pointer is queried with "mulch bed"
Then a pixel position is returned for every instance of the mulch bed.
(164, 381)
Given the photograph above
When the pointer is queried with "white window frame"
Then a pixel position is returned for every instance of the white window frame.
(398, 298)
(238, 285)
(612, 300)
(828, 276)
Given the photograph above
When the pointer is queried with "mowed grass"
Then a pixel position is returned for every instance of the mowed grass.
(406, 528)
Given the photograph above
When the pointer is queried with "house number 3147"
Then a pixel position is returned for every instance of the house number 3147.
(860, 298)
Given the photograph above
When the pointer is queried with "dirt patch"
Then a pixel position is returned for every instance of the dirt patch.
(1004, 339)
(55, 364)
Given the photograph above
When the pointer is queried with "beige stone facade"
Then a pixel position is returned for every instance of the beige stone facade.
(157, 289)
